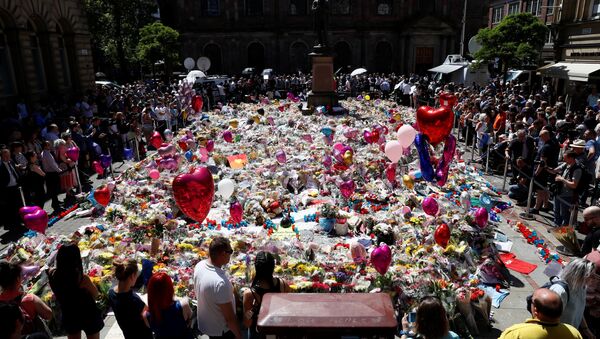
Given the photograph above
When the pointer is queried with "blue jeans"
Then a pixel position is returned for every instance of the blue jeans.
(562, 212)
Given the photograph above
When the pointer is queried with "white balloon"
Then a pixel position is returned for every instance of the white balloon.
(225, 188)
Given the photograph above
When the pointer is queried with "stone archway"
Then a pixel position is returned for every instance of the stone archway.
(342, 56)
(299, 60)
(383, 57)
(213, 52)
(8, 36)
(256, 56)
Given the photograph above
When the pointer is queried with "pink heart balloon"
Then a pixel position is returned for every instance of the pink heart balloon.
(194, 193)
(36, 221)
(27, 210)
(481, 217)
(236, 212)
(347, 188)
(430, 206)
(381, 258)
(73, 153)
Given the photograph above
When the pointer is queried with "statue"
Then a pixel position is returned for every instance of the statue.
(320, 9)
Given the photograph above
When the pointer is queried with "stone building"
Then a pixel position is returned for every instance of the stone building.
(381, 35)
(44, 50)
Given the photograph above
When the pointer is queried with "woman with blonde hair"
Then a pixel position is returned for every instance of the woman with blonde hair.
(576, 274)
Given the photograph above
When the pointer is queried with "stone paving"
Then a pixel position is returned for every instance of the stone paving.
(511, 311)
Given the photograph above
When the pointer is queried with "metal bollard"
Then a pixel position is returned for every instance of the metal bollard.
(487, 157)
(23, 196)
(112, 173)
(77, 176)
(505, 172)
(526, 215)
(137, 149)
(573, 217)
(474, 147)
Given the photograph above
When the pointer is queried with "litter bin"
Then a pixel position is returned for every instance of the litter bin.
(334, 315)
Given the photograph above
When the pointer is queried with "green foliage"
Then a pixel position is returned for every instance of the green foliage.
(158, 43)
(114, 26)
(517, 41)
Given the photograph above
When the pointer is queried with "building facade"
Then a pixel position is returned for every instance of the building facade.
(44, 50)
(380, 35)
(579, 36)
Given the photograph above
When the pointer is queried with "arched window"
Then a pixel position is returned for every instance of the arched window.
(7, 79)
(384, 7)
(299, 57)
(299, 7)
(63, 58)
(209, 7)
(213, 52)
(342, 55)
(254, 7)
(32, 45)
(383, 57)
(256, 56)
(340, 7)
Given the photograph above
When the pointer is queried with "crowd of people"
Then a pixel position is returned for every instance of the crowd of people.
(545, 142)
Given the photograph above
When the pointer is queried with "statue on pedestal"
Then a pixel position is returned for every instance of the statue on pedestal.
(320, 9)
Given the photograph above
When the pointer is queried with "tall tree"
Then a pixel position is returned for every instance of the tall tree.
(517, 41)
(158, 43)
(115, 25)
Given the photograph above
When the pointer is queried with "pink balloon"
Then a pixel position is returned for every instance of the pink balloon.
(236, 212)
(228, 136)
(358, 252)
(167, 150)
(36, 221)
(203, 154)
(347, 188)
(27, 210)
(406, 135)
(98, 168)
(430, 206)
(444, 165)
(210, 145)
(481, 217)
(381, 258)
(154, 174)
(73, 153)
(393, 150)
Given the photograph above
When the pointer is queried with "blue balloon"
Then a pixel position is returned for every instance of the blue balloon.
(189, 155)
(422, 146)
(418, 174)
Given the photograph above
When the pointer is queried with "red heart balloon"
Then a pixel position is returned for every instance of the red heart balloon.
(236, 212)
(156, 140)
(194, 193)
(442, 235)
(37, 221)
(182, 145)
(102, 195)
(197, 103)
(434, 123)
(448, 99)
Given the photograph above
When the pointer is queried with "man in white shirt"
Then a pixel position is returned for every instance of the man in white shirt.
(50, 167)
(214, 293)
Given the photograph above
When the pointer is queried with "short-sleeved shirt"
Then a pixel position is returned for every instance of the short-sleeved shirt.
(535, 329)
(573, 304)
(213, 288)
(128, 308)
(568, 193)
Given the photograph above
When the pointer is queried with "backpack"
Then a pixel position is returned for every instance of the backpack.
(584, 181)
(554, 280)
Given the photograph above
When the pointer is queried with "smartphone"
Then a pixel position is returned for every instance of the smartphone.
(412, 317)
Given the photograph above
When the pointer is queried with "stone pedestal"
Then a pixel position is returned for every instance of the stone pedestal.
(323, 91)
